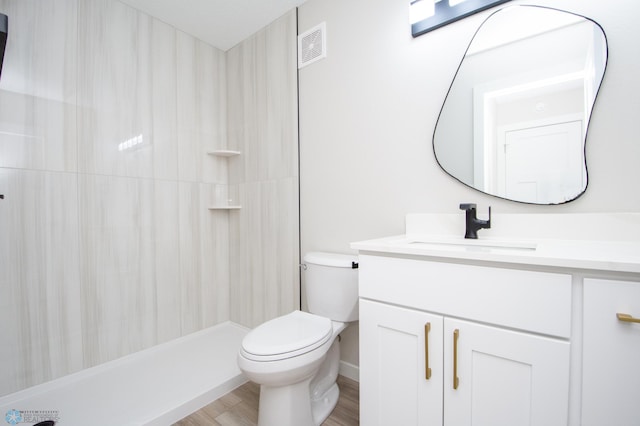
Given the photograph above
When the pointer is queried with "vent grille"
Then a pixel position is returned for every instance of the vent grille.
(312, 45)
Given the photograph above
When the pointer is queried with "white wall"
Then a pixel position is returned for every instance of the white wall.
(368, 111)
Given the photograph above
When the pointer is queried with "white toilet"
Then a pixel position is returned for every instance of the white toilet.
(295, 358)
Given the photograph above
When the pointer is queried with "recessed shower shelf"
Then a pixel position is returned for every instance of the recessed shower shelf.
(229, 207)
(224, 153)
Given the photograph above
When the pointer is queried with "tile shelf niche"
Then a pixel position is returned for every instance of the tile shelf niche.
(224, 153)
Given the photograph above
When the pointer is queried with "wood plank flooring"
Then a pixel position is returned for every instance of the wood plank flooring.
(240, 408)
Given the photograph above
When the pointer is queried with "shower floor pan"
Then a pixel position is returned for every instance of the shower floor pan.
(156, 386)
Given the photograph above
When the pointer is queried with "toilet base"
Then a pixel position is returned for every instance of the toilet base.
(285, 405)
(289, 405)
(306, 403)
(322, 407)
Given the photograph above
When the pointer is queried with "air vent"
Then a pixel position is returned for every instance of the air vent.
(312, 45)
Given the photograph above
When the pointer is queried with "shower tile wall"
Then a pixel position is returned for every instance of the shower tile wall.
(262, 123)
(106, 243)
(40, 293)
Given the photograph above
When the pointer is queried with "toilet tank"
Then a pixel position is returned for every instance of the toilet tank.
(331, 282)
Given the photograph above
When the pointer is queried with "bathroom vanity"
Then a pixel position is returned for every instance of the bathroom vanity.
(501, 331)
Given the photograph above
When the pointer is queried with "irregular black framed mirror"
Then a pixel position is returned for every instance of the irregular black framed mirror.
(514, 121)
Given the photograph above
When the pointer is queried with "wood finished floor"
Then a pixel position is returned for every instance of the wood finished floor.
(240, 408)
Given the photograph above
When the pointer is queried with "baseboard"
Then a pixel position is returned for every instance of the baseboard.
(349, 371)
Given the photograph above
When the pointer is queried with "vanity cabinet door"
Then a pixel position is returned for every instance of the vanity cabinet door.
(394, 386)
(611, 353)
(504, 377)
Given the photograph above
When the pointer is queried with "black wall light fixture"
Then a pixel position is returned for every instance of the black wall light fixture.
(428, 15)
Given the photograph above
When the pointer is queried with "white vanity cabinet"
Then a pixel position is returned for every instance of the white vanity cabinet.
(504, 377)
(611, 360)
(502, 333)
(401, 346)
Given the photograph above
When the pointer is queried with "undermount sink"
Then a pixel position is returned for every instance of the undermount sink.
(460, 243)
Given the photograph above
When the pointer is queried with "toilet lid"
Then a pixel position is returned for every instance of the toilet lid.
(286, 336)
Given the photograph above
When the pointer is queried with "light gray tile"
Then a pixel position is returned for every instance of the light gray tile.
(167, 260)
(39, 284)
(127, 92)
(190, 257)
(201, 114)
(242, 107)
(161, 117)
(107, 91)
(38, 86)
(262, 123)
(214, 257)
(117, 235)
(191, 149)
(204, 258)
(211, 78)
(264, 252)
(262, 103)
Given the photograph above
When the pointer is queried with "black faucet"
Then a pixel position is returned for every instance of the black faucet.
(473, 223)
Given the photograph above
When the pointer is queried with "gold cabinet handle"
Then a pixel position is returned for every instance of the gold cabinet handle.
(627, 318)
(427, 370)
(456, 333)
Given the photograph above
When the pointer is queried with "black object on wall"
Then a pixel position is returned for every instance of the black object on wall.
(445, 14)
(4, 30)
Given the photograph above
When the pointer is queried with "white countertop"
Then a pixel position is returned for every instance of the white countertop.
(613, 256)
(598, 242)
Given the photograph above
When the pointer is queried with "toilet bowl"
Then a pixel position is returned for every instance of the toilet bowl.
(289, 395)
(295, 358)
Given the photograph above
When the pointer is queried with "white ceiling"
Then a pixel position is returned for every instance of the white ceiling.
(221, 23)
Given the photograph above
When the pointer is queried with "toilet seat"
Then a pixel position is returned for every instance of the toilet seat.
(287, 336)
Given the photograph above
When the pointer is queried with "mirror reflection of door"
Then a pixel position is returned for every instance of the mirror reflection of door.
(506, 107)
(527, 67)
(537, 158)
